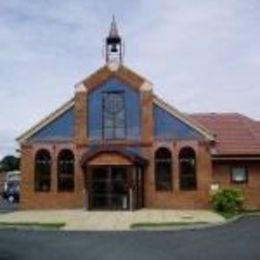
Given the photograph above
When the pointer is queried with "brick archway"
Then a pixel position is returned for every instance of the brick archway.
(113, 179)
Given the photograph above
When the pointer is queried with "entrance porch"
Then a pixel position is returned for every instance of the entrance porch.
(114, 180)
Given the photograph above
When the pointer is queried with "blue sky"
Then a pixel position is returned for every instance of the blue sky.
(202, 56)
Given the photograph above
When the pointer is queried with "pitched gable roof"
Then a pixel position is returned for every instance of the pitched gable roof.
(45, 121)
(95, 79)
(129, 77)
(200, 128)
(235, 133)
(121, 72)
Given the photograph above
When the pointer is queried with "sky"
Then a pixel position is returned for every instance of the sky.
(201, 56)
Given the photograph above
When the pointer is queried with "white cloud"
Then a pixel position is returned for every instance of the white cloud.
(202, 55)
(198, 49)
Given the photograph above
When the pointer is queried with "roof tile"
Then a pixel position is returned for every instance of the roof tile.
(235, 133)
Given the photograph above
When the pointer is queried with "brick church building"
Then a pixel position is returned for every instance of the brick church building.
(117, 145)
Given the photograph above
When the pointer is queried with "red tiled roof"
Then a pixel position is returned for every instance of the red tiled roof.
(257, 129)
(236, 134)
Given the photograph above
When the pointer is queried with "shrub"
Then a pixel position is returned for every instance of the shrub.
(228, 201)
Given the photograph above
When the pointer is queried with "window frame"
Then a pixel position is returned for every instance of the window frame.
(246, 171)
(61, 175)
(190, 175)
(113, 129)
(37, 176)
(169, 161)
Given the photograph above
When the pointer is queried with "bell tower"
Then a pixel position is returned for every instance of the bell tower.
(114, 50)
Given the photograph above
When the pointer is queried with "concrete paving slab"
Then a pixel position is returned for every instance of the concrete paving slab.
(80, 219)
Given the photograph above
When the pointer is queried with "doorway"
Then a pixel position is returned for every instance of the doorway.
(109, 188)
(114, 187)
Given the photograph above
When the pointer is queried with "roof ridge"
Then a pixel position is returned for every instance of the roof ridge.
(215, 113)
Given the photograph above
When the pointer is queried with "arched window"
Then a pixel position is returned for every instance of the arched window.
(163, 169)
(187, 164)
(66, 170)
(42, 171)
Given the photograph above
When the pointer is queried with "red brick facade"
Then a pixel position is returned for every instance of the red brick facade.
(251, 189)
(176, 198)
(208, 172)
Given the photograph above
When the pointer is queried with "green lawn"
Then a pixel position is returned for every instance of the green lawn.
(229, 215)
(165, 224)
(31, 225)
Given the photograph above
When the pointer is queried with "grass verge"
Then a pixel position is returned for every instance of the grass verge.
(252, 211)
(31, 225)
(165, 224)
(230, 215)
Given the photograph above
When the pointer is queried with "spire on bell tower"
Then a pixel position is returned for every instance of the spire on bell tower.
(114, 50)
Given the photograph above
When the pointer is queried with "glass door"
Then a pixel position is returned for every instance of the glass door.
(99, 188)
(119, 188)
(108, 188)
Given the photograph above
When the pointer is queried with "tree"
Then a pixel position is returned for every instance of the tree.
(10, 163)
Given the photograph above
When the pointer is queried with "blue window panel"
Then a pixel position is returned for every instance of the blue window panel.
(132, 108)
(62, 128)
(167, 126)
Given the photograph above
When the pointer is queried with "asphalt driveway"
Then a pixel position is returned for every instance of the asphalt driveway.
(238, 240)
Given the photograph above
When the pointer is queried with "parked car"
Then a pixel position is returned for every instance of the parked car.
(12, 191)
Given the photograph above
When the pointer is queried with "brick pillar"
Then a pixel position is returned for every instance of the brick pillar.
(27, 175)
(176, 173)
(81, 114)
(147, 138)
(54, 171)
(79, 178)
(147, 112)
(204, 167)
(149, 184)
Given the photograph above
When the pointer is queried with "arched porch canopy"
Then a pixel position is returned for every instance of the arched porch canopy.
(113, 178)
(108, 154)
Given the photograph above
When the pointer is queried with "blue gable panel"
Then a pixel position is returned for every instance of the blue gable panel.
(167, 126)
(132, 106)
(61, 128)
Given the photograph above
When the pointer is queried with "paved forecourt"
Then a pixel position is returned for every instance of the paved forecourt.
(81, 219)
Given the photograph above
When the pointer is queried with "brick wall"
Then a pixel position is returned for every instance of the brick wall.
(176, 198)
(53, 198)
(153, 199)
(251, 189)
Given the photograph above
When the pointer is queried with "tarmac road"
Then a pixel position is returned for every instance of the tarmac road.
(238, 240)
